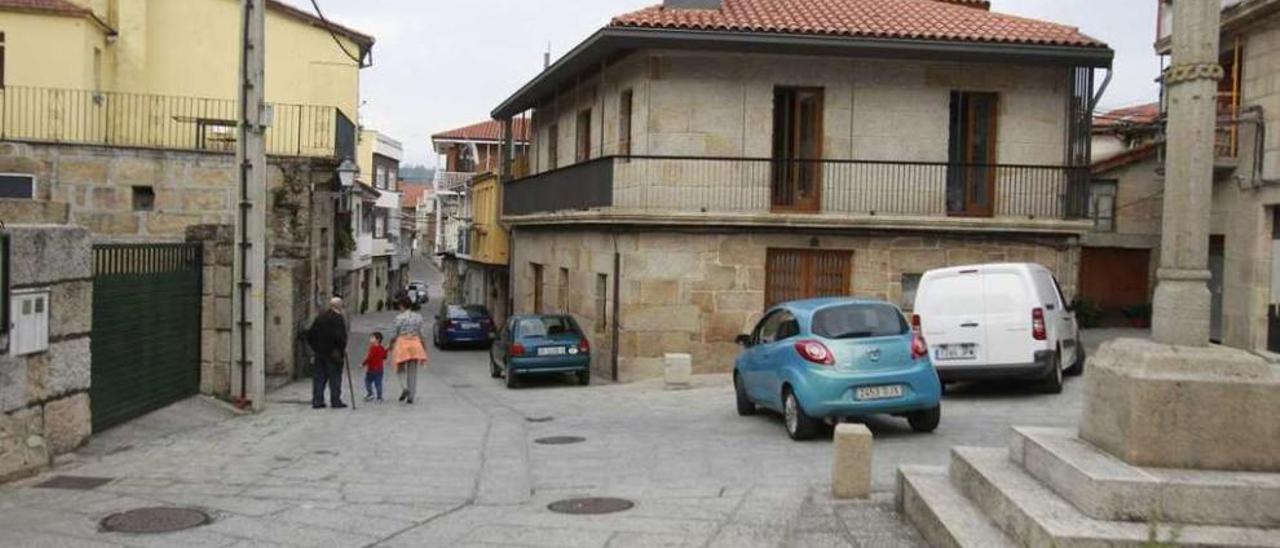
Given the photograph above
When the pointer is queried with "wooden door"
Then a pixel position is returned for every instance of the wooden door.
(797, 149)
(971, 174)
(794, 274)
(1115, 278)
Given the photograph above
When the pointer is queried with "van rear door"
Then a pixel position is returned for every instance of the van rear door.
(1007, 303)
(950, 311)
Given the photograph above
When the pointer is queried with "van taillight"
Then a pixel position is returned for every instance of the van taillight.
(915, 323)
(815, 352)
(1037, 325)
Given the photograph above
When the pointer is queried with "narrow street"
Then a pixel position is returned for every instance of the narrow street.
(462, 467)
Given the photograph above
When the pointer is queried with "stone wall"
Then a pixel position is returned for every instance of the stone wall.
(694, 292)
(215, 307)
(44, 397)
(709, 104)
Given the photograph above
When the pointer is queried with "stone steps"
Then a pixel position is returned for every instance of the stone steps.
(940, 512)
(1106, 488)
(1033, 515)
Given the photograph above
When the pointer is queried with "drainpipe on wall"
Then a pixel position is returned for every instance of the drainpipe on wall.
(617, 284)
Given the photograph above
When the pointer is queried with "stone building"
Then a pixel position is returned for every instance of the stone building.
(1118, 258)
(124, 112)
(709, 159)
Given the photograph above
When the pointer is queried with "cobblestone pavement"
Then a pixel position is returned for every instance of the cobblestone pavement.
(462, 468)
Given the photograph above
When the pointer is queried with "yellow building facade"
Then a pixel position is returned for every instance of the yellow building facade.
(489, 239)
(185, 48)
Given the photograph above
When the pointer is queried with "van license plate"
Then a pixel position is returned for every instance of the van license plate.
(878, 392)
(551, 351)
(955, 352)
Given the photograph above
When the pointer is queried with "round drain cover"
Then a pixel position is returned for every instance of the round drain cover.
(590, 506)
(559, 440)
(539, 419)
(155, 520)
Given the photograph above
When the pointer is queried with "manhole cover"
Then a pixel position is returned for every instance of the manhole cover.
(154, 520)
(76, 483)
(539, 419)
(559, 440)
(590, 506)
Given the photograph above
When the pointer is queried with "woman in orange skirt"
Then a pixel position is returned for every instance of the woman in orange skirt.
(407, 350)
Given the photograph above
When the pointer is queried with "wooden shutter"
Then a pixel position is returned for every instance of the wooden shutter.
(794, 274)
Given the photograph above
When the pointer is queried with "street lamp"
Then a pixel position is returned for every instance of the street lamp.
(347, 173)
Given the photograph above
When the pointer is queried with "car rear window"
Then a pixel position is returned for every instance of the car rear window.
(467, 312)
(857, 321)
(546, 326)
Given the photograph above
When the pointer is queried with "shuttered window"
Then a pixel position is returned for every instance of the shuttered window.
(794, 274)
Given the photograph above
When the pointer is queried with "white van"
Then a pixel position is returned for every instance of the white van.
(998, 321)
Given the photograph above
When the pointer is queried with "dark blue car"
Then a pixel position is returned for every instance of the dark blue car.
(463, 324)
(540, 345)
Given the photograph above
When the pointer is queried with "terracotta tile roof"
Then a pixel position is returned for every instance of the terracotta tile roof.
(409, 194)
(46, 6)
(898, 19)
(1128, 116)
(489, 130)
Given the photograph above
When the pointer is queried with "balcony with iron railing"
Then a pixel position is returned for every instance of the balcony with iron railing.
(69, 116)
(841, 193)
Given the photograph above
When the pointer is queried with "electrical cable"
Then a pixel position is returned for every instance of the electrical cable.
(329, 27)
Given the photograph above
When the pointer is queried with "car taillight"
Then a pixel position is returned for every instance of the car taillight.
(1037, 325)
(584, 347)
(517, 349)
(815, 352)
(918, 347)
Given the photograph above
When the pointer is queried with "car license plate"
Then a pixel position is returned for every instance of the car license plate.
(967, 351)
(551, 351)
(469, 325)
(878, 392)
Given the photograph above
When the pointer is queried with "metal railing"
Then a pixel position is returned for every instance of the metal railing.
(167, 122)
(835, 187)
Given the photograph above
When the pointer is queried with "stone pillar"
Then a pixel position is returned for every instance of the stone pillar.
(851, 467)
(215, 307)
(1181, 309)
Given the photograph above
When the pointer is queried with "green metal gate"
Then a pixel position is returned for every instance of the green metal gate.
(146, 328)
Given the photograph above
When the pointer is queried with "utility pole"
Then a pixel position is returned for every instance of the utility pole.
(249, 302)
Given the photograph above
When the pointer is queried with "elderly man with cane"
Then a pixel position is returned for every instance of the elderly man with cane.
(328, 339)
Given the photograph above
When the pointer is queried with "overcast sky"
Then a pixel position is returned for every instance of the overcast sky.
(441, 64)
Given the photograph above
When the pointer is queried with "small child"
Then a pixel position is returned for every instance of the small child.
(373, 360)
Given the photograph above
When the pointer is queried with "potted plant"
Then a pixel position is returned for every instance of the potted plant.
(1139, 316)
(1088, 314)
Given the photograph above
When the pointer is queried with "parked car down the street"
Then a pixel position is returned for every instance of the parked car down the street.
(463, 324)
(417, 290)
(540, 345)
(999, 321)
(825, 359)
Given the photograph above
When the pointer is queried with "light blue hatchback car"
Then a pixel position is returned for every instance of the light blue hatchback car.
(824, 359)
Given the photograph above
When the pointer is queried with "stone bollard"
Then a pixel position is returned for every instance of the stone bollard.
(851, 471)
(678, 370)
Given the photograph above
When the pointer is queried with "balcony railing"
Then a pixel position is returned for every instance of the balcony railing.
(165, 122)
(682, 185)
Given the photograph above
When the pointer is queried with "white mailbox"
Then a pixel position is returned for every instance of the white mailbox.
(29, 317)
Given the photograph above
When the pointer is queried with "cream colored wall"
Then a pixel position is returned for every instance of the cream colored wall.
(189, 48)
(184, 48)
(364, 155)
(50, 51)
(722, 105)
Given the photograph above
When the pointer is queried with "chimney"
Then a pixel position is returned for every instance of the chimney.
(692, 4)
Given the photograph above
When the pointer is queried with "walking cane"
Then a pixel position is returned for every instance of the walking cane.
(351, 385)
